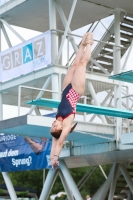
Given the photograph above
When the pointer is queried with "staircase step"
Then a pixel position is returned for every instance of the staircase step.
(127, 21)
(121, 181)
(106, 52)
(127, 36)
(105, 59)
(130, 170)
(124, 43)
(106, 66)
(125, 28)
(110, 53)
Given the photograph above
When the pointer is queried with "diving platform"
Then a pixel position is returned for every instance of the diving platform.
(92, 143)
(39, 127)
(85, 108)
(124, 76)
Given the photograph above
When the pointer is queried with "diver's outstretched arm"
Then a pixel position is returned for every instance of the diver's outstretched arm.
(54, 143)
(59, 144)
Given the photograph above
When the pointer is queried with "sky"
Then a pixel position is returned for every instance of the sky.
(12, 111)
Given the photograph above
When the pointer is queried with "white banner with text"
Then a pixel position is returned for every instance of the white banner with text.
(26, 57)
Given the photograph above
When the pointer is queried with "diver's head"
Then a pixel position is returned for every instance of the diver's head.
(56, 128)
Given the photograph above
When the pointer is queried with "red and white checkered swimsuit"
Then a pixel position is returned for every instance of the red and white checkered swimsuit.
(68, 102)
(73, 98)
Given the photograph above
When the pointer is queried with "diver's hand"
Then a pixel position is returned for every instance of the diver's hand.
(55, 164)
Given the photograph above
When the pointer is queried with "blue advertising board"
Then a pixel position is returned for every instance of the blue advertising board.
(21, 154)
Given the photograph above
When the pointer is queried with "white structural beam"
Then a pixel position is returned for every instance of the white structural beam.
(102, 192)
(127, 176)
(92, 91)
(6, 36)
(5, 174)
(66, 186)
(48, 184)
(12, 29)
(64, 21)
(0, 36)
(113, 184)
(99, 66)
(52, 25)
(52, 21)
(10, 5)
(127, 57)
(40, 93)
(103, 103)
(67, 28)
(37, 111)
(117, 68)
(103, 172)
(70, 180)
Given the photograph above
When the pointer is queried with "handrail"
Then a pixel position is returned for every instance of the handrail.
(93, 39)
(33, 88)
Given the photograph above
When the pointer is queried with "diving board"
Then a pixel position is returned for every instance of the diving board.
(50, 103)
(124, 76)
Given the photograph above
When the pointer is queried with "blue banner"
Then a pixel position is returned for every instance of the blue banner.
(21, 154)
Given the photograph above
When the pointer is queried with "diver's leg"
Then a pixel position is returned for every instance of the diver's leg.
(69, 76)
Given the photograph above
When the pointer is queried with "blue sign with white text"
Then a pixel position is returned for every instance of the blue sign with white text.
(21, 154)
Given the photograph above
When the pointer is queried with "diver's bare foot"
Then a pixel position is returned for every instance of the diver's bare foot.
(83, 43)
(89, 39)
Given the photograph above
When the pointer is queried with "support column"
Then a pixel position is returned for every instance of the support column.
(102, 192)
(0, 35)
(113, 184)
(52, 25)
(1, 107)
(5, 174)
(6, 37)
(129, 196)
(117, 69)
(70, 180)
(49, 182)
(66, 187)
(126, 176)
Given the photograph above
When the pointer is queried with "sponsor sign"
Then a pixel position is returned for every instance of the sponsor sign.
(26, 57)
(21, 154)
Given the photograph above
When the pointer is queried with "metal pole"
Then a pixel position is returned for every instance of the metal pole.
(102, 192)
(6, 36)
(49, 182)
(127, 176)
(52, 25)
(52, 17)
(5, 174)
(103, 103)
(85, 101)
(64, 21)
(1, 107)
(95, 100)
(40, 94)
(15, 32)
(66, 187)
(103, 171)
(117, 69)
(130, 49)
(19, 99)
(113, 184)
(67, 28)
(70, 180)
